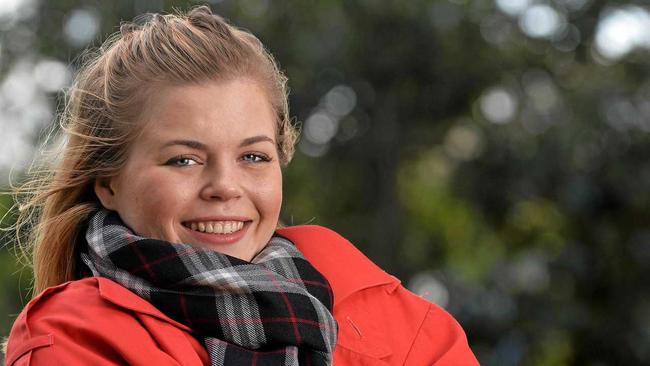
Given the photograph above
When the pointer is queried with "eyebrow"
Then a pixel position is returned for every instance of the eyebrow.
(201, 146)
(189, 143)
(256, 139)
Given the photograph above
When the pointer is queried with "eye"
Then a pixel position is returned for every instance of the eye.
(181, 161)
(255, 158)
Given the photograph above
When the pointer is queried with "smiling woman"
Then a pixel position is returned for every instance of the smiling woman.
(155, 239)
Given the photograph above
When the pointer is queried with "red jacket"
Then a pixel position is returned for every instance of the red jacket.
(95, 321)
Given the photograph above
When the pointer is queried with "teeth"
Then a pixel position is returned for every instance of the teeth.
(217, 227)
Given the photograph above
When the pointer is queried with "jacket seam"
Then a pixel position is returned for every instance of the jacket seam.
(417, 334)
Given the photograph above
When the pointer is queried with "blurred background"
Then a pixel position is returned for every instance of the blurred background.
(494, 155)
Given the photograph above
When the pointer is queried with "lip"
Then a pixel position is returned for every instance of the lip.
(219, 239)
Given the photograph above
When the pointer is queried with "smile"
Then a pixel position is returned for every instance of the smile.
(215, 227)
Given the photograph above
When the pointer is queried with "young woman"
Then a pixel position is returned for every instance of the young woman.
(155, 237)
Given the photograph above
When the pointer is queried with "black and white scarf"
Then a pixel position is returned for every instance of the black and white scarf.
(274, 310)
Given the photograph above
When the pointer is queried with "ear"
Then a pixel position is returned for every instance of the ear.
(105, 192)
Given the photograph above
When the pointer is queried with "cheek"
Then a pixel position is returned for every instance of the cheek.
(153, 201)
(269, 195)
(167, 197)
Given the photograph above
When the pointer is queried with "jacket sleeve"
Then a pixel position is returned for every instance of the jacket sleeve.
(441, 329)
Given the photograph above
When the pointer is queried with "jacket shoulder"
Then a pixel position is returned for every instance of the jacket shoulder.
(440, 340)
(60, 315)
(393, 325)
(94, 321)
(371, 307)
(77, 299)
(80, 299)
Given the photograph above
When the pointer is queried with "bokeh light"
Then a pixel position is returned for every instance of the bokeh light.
(12, 11)
(323, 123)
(24, 110)
(568, 39)
(81, 27)
(340, 100)
(498, 105)
(541, 21)
(320, 128)
(621, 30)
(540, 90)
(513, 7)
(496, 29)
(52, 75)
(426, 285)
(463, 142)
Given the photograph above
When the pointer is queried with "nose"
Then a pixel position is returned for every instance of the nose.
(221, 183)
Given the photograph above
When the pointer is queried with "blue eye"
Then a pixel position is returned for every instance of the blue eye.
(181, 161)
(255, 158)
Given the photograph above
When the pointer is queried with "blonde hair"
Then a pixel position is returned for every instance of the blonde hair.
(104, 102)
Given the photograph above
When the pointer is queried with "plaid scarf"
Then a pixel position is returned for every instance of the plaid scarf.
(274, 310)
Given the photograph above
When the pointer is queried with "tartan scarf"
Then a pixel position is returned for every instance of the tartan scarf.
(274, 310)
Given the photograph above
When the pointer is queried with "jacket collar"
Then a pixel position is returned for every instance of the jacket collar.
(121, 296)
(344, 266)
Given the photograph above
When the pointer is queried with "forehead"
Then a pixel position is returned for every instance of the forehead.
(214, 111)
